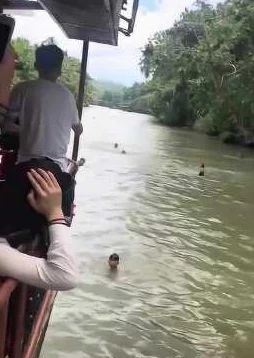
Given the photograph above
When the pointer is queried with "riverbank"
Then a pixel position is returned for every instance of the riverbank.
(239, 136)
(137, 105)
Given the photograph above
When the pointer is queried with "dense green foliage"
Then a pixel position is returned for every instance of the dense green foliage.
(70, 70)
(107, 93)
(102, 86)
(200, 72)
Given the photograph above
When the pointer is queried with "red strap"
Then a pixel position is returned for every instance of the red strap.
(57, 221)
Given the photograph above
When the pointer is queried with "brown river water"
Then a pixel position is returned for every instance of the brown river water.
(185, 285)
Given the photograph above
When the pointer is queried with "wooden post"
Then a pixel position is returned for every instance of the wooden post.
(81, 93)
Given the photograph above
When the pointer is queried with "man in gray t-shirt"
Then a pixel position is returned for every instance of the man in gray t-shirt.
(46, 111)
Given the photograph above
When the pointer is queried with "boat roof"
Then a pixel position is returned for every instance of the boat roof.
(90, 20)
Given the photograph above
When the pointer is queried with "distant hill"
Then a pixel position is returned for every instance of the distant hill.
(116, 95)
(102, 86)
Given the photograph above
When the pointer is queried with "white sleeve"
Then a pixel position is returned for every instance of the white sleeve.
(57, 272)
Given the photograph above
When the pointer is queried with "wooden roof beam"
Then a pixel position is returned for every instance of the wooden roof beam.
(21, 5)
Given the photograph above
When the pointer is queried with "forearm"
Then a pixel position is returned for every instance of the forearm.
(58, 272)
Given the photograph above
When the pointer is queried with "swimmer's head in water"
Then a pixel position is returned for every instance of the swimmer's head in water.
(116, 145)
(202, 170)
(113, 261)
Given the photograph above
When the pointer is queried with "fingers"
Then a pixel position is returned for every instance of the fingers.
(50, 178)
(41, 178)
(45, 176)
(33, 178)
(53, 179)
(42, 181)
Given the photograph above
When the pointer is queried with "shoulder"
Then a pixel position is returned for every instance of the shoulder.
(65, 91)
(22, 86)
(18, 92)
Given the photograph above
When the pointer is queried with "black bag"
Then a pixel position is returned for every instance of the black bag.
(15, 212)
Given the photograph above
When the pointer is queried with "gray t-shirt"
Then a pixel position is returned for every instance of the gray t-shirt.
(46, 111)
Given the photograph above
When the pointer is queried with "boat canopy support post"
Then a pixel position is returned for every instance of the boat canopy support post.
(81, 94)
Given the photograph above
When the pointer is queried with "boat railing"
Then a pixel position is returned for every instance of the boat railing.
(24, 310)
(6, 288)
(24, 316)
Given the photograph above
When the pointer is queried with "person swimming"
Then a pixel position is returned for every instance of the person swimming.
(202, 170)
(116, 145)
(113, 261)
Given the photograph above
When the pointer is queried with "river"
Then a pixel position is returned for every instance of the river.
(185, 285)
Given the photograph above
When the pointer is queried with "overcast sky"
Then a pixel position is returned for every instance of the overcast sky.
(119, 64)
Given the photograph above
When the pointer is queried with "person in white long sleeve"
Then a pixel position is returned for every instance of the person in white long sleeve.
(59, 270)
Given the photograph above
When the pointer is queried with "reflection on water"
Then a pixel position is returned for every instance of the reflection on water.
(185, 285)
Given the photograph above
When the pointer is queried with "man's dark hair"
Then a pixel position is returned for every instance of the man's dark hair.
(114, 257)
(48, 58)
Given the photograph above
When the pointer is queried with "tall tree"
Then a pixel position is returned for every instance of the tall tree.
(204, 64)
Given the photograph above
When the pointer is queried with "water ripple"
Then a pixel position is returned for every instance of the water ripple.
(185, 284)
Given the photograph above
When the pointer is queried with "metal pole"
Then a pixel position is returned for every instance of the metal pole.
(81, 93)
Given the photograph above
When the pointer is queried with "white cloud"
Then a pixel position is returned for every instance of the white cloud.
(121, 63)
(106, 62)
